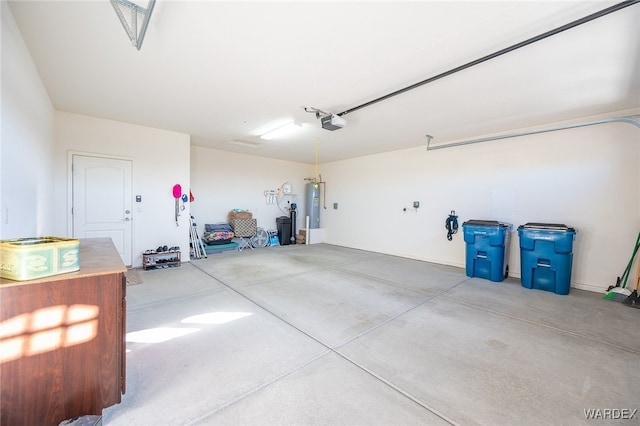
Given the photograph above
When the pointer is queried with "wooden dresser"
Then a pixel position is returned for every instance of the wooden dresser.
(62, 340)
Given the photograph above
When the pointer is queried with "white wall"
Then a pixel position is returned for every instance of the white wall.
(222, 181)
(160, 160)
(27, 140)
(587, 178)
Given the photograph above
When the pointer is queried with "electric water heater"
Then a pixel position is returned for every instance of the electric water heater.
(312, 204)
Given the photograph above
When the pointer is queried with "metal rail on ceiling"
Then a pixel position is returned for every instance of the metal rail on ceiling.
(632, 119)
(516, 46)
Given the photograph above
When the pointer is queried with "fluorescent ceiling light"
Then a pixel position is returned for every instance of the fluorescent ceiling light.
(246, 143)
(281, 131)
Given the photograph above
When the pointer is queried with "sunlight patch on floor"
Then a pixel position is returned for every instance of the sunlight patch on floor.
(215, 317)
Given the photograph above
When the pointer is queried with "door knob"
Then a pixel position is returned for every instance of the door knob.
(127, 211)
(126, 219)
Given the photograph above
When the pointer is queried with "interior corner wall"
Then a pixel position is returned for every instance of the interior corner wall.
(222, 181)
(160, 160)
(27, 140)
(587, 178)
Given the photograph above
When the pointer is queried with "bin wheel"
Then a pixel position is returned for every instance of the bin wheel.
(506, 271)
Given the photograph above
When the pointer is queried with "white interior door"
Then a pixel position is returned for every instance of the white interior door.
(102, 201)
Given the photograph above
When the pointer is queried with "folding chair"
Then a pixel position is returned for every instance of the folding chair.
(245, 230)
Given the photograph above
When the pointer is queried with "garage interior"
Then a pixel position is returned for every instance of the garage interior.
(517, 112)
(347, 336)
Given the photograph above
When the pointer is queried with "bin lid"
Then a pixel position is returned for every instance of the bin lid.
(547, 226)
(494, 223)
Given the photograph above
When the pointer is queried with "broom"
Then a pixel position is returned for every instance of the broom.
(633, 299)
(619, 293)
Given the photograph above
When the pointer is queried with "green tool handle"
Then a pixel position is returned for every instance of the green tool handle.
(627, 271)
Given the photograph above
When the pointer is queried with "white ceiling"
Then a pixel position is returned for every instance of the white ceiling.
(219, 70)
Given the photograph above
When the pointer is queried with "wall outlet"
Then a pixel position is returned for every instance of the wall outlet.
(416, 204)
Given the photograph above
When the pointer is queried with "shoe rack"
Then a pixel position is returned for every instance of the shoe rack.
(154, 259)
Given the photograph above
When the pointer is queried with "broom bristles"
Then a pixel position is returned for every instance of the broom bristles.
(617, 294)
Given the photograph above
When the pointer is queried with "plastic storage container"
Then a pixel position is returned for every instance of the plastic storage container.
(487, 249)
(546, 256)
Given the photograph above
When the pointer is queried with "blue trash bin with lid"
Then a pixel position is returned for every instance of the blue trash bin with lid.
(546, 256)
(487, 249)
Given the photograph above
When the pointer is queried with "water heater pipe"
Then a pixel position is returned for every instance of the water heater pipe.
(629, 119)
(324, 194)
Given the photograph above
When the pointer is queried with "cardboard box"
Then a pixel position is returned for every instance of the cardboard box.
(239, 215)
(30, 258)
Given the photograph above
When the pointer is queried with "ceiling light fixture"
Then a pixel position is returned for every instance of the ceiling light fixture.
(250, 144)
(281, 131)
(137, 12)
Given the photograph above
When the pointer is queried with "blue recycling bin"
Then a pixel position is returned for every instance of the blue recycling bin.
(487, 249)
(546, 256)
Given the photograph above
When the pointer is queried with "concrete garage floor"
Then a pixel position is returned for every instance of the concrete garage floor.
(326, 335)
